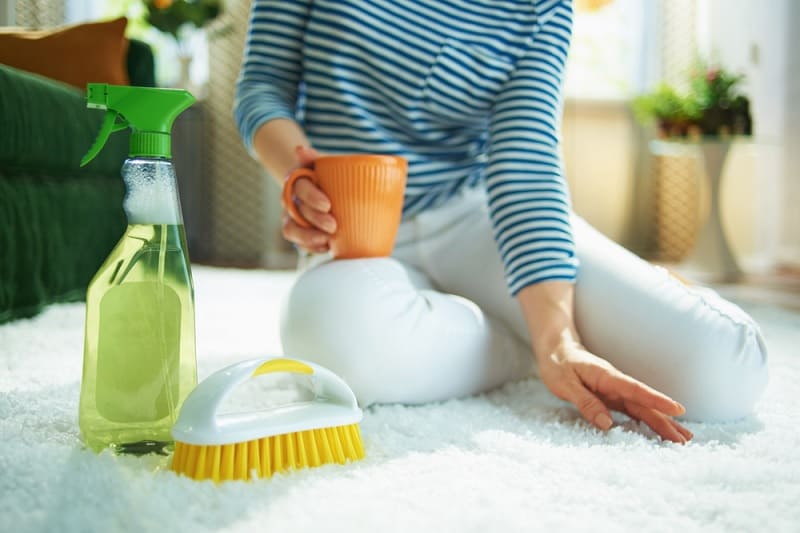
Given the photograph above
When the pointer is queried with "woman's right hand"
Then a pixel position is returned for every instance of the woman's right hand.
(315, 207)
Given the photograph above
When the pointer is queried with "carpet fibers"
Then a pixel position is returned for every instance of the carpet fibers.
(516, 459)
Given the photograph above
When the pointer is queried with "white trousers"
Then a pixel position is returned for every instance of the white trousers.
(436, 321)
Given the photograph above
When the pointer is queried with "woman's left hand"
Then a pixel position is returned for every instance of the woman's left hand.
(578, 376)
(594, 386)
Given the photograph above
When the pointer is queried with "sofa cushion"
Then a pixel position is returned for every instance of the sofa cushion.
(76, 55)
(141, 64)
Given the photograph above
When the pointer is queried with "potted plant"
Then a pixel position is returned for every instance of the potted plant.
(724, 110)
(712, 106)
(673, 113)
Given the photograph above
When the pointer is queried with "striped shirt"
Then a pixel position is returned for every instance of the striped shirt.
(467, 90)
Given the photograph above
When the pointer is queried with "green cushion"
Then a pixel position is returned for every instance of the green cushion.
(54, 234)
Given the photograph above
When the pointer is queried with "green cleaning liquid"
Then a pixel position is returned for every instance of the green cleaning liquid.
(139, 351)
(139, 356)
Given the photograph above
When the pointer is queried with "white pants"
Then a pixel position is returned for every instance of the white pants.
(436, 320)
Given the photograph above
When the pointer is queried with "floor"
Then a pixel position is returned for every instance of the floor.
(780, 287)
(513, 460)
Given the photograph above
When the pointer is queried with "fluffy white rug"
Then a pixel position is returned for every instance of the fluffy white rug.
(512, 460)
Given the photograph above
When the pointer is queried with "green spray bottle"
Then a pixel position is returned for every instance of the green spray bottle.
(139, 352)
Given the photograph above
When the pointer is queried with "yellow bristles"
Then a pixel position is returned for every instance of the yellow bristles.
(264, 457)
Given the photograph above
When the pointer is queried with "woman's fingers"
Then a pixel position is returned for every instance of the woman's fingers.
(318, 219)
(309, 239)
(589, 405)
(314, 205)
(309, 194)
(663, 425)
(617, 384)
(688, 435)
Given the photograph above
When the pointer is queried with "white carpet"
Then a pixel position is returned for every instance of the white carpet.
(513, 460)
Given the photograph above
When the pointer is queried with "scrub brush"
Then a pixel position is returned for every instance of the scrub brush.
(295, 435)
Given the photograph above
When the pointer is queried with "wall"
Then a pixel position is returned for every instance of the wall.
(599, 156)
(789, 250)
(246, 207)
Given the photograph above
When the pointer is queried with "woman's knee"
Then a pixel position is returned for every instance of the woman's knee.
(726, 367)
(381, 327)
(685, 341)
(339, 314)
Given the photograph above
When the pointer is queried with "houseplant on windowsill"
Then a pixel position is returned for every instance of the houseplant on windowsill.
(713, 106)
(180, 19)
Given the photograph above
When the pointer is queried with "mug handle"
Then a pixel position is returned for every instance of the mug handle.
(288, 194)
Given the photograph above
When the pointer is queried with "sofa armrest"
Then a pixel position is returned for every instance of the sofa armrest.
(46, 128)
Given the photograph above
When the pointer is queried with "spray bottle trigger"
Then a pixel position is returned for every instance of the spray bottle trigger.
(110, 125)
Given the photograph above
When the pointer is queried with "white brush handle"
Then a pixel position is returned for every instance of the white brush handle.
(199, 422)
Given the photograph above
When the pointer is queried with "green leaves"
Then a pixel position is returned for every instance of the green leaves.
(713, 105)
(665, 103)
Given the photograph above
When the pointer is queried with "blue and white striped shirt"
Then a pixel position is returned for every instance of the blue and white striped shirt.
(467, 90)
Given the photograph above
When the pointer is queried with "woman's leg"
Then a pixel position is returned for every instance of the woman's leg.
(688, 343)
(379, 324)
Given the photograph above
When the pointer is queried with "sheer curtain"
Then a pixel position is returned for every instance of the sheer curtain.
(38, 13)
(675, 182)
(246, 207)
(611, 43)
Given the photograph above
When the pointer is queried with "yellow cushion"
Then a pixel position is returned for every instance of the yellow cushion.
(78, 54)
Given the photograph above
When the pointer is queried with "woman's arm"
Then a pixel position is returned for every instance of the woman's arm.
(530, 208)
(267, 87)
(275, 145)
(268, 84)
(528, 197)
(265, 107)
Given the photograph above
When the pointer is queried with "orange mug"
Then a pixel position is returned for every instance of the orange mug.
(366, 194)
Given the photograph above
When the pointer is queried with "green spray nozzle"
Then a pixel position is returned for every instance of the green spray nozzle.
(148, 112)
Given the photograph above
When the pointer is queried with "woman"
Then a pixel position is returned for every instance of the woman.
(492, 278)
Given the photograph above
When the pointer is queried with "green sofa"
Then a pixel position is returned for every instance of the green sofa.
(58, 222)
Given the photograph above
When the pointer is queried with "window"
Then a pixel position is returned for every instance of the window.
(609, 53)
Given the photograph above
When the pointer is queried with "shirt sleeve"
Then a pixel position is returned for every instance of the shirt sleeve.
(268, 84)
(528, 197)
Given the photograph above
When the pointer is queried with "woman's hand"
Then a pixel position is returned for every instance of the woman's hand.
(574, 374)
(315, 207)
(594, 386)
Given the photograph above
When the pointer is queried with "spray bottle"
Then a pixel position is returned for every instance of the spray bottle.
(139, 352)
